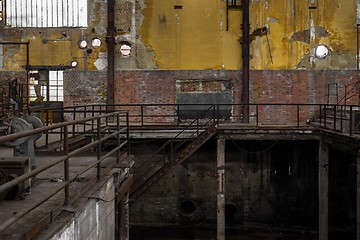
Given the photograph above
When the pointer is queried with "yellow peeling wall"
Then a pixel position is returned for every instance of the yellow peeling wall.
(195, 36)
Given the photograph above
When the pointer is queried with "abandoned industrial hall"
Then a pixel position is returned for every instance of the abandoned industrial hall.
(180, 119)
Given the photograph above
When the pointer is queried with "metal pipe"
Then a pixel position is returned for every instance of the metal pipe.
(110, 40)
(245, 59)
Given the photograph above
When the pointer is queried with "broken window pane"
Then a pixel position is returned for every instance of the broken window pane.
(44, 13)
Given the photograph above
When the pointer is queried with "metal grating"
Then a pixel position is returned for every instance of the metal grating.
(46, 13)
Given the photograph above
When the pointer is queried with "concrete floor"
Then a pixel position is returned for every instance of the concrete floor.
(41, 185)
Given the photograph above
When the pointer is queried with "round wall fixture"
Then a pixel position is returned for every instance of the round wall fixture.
(82, 44)
(74, 63)
(187, 208)
(96, 42)
(321, 51)
(125, 50)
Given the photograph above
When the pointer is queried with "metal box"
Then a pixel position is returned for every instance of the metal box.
(15, 167)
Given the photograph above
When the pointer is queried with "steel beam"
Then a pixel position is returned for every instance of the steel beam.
(245, 60)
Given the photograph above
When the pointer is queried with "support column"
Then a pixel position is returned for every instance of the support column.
(323, 190)
(124, 225)
(358, 196)
(221, 189)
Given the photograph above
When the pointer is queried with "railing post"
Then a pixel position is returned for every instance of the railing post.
(74, 117)
(320, 114)
(171, 151)
(92, 114)
(178, 113)
(128, 132)
(118, 137)
(328, 94)
(298, 115)
(66, 165)
(98, 150)
(341, 118)
(335, 118)
(351, 120)
(325, 114)
(345, 95)
(142, 114)
(84, 125)
(197, 127)
(216, 113)
(257, 115)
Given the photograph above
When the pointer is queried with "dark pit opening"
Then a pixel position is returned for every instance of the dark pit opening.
(187, 208)
(230, 212)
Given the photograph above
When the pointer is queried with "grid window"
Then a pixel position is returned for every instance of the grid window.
(1, 12)
(45, 13)
(56, 80)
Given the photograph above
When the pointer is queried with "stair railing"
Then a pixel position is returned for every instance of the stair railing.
(165, 154)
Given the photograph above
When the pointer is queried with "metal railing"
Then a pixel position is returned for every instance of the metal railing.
(263, 114)
(350, 91)
(120, 134)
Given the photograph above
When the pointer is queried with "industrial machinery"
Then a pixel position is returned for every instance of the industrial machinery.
(24, 156)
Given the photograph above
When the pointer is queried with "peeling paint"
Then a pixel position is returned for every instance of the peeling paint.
(304, 35)
(101, 62)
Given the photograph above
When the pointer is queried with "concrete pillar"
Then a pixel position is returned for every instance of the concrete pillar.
(358, 196)
(124, 224)
(323, 190)
(221, 189)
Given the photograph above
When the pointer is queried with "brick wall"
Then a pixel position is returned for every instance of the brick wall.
(158, 87)
(84, 87)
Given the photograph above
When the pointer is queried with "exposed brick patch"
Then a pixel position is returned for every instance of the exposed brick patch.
(159, 87)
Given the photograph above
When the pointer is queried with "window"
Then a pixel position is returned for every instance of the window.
(45, 13)
(56, 86)
(1, 12)
(46, 86)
